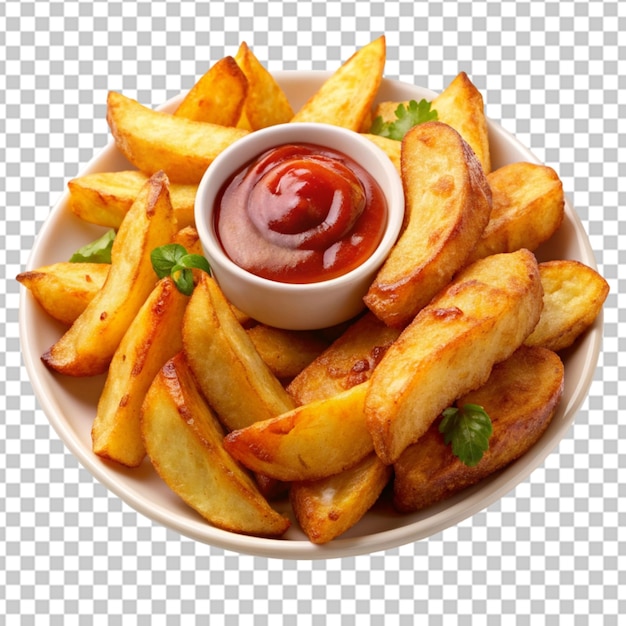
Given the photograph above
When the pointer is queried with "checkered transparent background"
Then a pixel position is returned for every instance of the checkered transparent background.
(72, 553)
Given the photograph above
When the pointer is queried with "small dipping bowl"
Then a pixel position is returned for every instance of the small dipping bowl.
(297, 306)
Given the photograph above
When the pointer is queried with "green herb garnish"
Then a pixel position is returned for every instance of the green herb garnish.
(173, 260)
(98, 251)
(468, 429)
(416, 113)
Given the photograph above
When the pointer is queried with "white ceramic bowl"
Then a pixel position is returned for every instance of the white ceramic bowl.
(70, 404)
(303, 305)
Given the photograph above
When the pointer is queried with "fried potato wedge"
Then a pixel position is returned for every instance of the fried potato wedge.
(104, 198)
(286, 352)
(461, 106)
(310, 442)
(480, 319)
(183, 439)
(189, 239)
(527, 209)
(231, 374)
(390, 147)
(573, 297)
(348, 361)
(63, 290)
(266, 103)
(329, 507)
(520, 396)
(88, 345)
(154, 140)
(346, 98)
(218, 96)
(448, 203)
(153, 338)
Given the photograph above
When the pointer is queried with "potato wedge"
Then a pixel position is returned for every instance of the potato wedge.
(520, 396)
(527, 209)
(266, 103)
(154, 140)
(189, 239)
(310, 442)
(448, 203)
(87, 347)
(390, 147)
(183, 439)
(481, 318)
(153, 338)
(218, 97)
(63, 290)
(233, 377)
(104, 198)
(346, 98)
(348, 361)
(573, 297)
(461, 106)
(329, 507)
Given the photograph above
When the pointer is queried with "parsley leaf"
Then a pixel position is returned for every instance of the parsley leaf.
(468, 429)
(407, 117)
(98, 251)
(173, 260)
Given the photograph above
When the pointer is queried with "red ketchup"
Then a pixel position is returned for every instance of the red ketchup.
(300, 214)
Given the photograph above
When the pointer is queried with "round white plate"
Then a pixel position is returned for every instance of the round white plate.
(70, 404)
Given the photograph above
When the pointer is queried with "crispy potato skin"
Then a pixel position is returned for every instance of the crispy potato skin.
(520, 396)
(184, 441)
(448, 204)
(481, 318)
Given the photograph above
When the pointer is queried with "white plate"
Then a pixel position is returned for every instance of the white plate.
(70, 404)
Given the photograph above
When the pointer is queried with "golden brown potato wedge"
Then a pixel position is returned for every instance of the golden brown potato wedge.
(329, 507)
(235, 380)
(346, 98)
(310, 442)
(266, 104)
(390, 147)
(461, 106)
(286, 352)
(527, 209)
(448, 203)
(104, 198)
(481, 318)
(573, 297)
(65, 289)
(87, 347)
(183, 439)
(154, 140)
(189, 239)
(348, 361)
(153, 338)
(218, 96)
(520, 396)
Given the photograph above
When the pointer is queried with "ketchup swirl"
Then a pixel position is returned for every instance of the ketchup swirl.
(300, 213)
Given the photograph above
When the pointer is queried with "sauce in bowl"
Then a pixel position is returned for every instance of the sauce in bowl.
(300, 213)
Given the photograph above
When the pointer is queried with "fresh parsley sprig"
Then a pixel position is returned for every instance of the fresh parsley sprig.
(407, 117)
(98, 251)
(173, 260)
(468, 429)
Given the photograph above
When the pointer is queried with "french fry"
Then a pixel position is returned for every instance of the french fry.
(104, 198)
(154, 140)
(63, 290)
(346, 98)
(520, 396)
(310, 442)
(527, 209)
(87, 347)
(218, 97)
(266, 104)
(183, 439)
(573, 297)
(480, 319)
(153, 337)
(448, 203)
(230, 372)
(329, 507)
